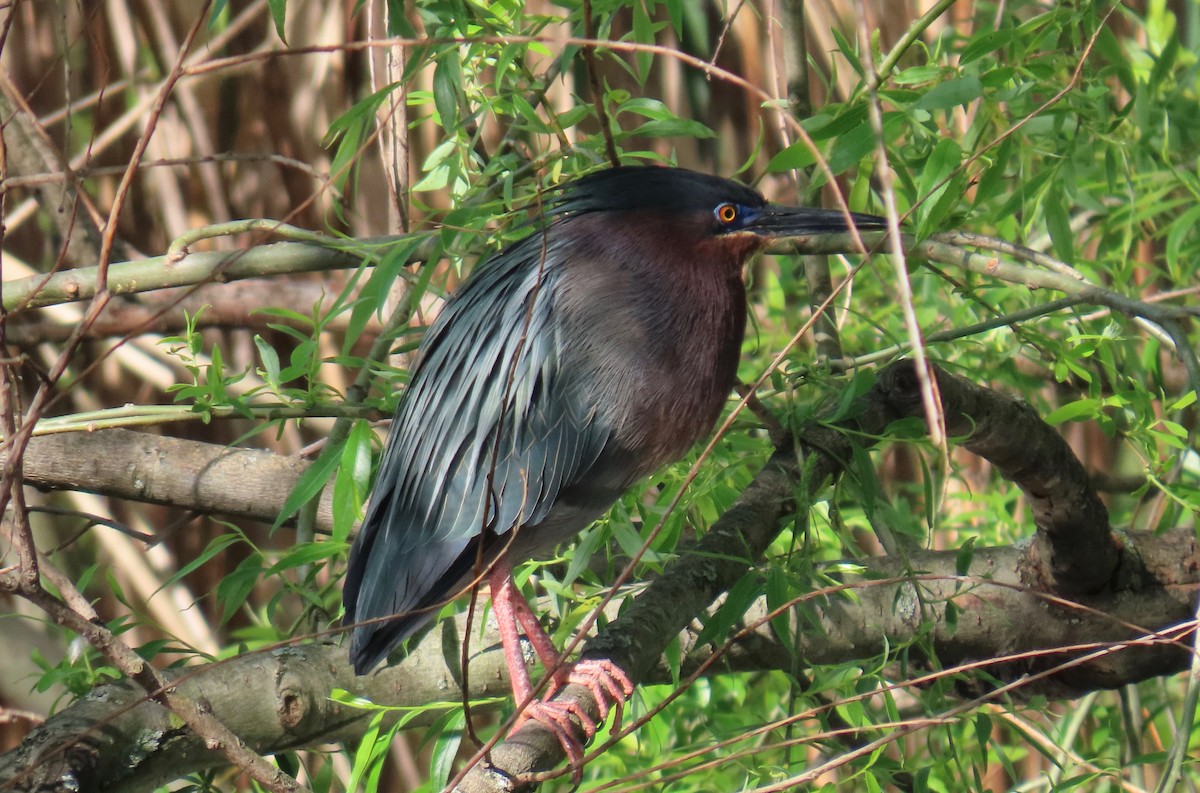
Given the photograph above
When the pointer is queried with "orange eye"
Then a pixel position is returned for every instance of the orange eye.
(727, 213)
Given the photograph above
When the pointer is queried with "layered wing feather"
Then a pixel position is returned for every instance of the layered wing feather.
(492, 429)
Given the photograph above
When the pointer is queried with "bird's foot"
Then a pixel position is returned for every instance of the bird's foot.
(555, 715)
(609, 687)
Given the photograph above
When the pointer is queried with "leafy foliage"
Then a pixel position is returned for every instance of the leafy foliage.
(1067, 128)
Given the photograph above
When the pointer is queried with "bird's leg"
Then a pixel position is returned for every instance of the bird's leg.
(543, 645)
(554, 716)
(604, 679)
(504, 595)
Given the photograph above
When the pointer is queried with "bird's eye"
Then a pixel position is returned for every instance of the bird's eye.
(726, 213)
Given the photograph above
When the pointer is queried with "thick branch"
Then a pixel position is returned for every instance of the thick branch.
(1071, 520)
(996, 615)
(737, 541)
(206, 477)
(116, 740)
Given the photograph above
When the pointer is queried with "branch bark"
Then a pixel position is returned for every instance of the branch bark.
(738, 540)
(1075, 552)
(155, 469)
(277, 700)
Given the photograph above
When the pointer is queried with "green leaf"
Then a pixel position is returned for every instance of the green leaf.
(631, 542)
(1182, 228)
(779, 592)
(1185, 401)
(798, 155)
(643, 33)
(935, 185)
(1174, 428)
(214, 547)
(270, 361)
(587, 545)
(350, 130)
(1088, 779)
(825, 126)
(918, 75)
(983, 734)
(370, 752)
(849, 52)
(991, 182)
(216, 13)
(1164, 63)
(373, 296)
(672, 128)
(235, 587)
(964, 557)
(279, 14)
(447, 88)
(352, 481)
(1074, 411)
(449, 732)
(985, 44)
(851, 147)
(1058, 223)
(950, 94)
(305, 554)
(673, 653)
(310, 484)
(718, 627)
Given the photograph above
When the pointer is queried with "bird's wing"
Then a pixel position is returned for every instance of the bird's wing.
(490, 423)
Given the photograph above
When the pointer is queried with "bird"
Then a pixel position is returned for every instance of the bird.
(566, 368)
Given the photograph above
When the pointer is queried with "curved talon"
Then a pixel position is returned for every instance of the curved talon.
(555, 716)
(608, 685)
(607, 682)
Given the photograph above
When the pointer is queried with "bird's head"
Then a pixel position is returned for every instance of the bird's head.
(699, 209)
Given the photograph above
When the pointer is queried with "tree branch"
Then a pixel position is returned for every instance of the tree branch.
(205, 477)
(740, 537)
(160, 272)
(278, 700)
(1072, 522)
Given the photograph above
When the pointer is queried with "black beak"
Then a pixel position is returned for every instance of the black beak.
(782, 221)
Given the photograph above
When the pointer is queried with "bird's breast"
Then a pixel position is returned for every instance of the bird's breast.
(656, 351)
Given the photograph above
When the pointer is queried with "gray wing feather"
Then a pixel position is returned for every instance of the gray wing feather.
(455, 430)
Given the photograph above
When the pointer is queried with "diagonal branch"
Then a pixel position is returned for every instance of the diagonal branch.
(1074, 537)
(277, 700)
(739, 538)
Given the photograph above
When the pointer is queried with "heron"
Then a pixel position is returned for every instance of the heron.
(566, 368)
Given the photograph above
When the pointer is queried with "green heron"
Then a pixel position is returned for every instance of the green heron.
(566, 368)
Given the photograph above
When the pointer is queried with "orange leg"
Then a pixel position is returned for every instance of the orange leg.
(604, 679)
